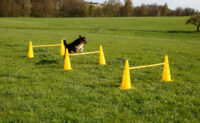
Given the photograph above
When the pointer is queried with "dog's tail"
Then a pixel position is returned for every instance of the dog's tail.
(65, 43)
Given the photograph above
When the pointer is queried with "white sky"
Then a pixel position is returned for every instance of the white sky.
(172, 4)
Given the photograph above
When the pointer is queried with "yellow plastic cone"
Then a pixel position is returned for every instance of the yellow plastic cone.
(126, 81)
(166, 72)
(101, 57)
(67, 64)
(62, 49)
(30, 50)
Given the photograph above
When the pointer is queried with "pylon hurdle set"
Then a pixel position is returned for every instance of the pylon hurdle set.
(67, 63)
(126, 81)
(30, 49)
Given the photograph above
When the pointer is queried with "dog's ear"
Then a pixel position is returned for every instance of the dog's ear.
(80, 36)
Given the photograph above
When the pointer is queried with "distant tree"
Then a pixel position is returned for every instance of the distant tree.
(91, 10)
(74, 8)
(143, 10)
(80, 8)
(127, 9)
(189, 11)
(153, 10)
(98, 12)
(136, 11)
(14, 8)
(48, 8)
(25, 8)
(195, 20)
(179, 11)
(164, 10)
(4, 8)
(37, 9)
(112, 8)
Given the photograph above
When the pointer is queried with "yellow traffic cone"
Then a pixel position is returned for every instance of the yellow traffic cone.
(126, 81)
(101, 57)
(62, 49)
(67, 64)
(166, 72)
(30, 50)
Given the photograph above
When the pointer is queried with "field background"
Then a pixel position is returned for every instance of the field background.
(33, 90)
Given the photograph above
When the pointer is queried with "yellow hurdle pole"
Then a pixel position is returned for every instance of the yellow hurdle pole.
(153, 65)
(86, 53)
(51, 45)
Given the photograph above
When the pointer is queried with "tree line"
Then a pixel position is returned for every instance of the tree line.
(80, 8)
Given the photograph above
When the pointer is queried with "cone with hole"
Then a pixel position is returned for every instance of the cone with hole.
(166, 71)
(67, 64)
(101, 57)
(62, 48)
(126, 81)
(30, 50)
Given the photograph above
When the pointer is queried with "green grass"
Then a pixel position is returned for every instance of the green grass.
(39, 90)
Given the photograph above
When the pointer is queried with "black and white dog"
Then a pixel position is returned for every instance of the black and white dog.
(77, 45)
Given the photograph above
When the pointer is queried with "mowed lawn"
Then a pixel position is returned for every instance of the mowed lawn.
(39, 90)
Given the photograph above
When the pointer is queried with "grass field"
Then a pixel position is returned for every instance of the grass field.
(33, 90)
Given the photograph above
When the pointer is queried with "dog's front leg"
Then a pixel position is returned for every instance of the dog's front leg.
(81, 50)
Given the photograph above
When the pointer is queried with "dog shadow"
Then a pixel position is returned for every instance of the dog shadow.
(44, 62)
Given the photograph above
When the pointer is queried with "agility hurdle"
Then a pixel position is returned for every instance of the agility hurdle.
(30, 49)
(67, 63)
(126, 81)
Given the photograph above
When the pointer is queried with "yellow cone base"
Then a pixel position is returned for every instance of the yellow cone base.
(30, 50)
(67, 64)
(166, 71)
(126, 81)
(101, 57)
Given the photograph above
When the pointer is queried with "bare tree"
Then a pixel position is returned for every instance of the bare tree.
(164, 10)
(179, 11)
(189, 11)
(98, 12)
(80, 8)
(112, 8)
(4, 8)
(25, 8)
(74, 8)
(153, 10)
(143, 10)
(91, 10)
(127, 9)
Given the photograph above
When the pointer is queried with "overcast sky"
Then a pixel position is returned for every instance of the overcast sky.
(172, 4)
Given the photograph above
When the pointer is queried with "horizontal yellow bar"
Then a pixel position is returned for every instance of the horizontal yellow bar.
(153, 65)
(77, 54)
(51, 45)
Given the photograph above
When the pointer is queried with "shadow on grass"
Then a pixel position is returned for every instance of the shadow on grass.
(159, 31)
(103, 85)
(90, 86)
(109, 85)
(38, 28)
(7, 75)
(175, 31)
(44, 62)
